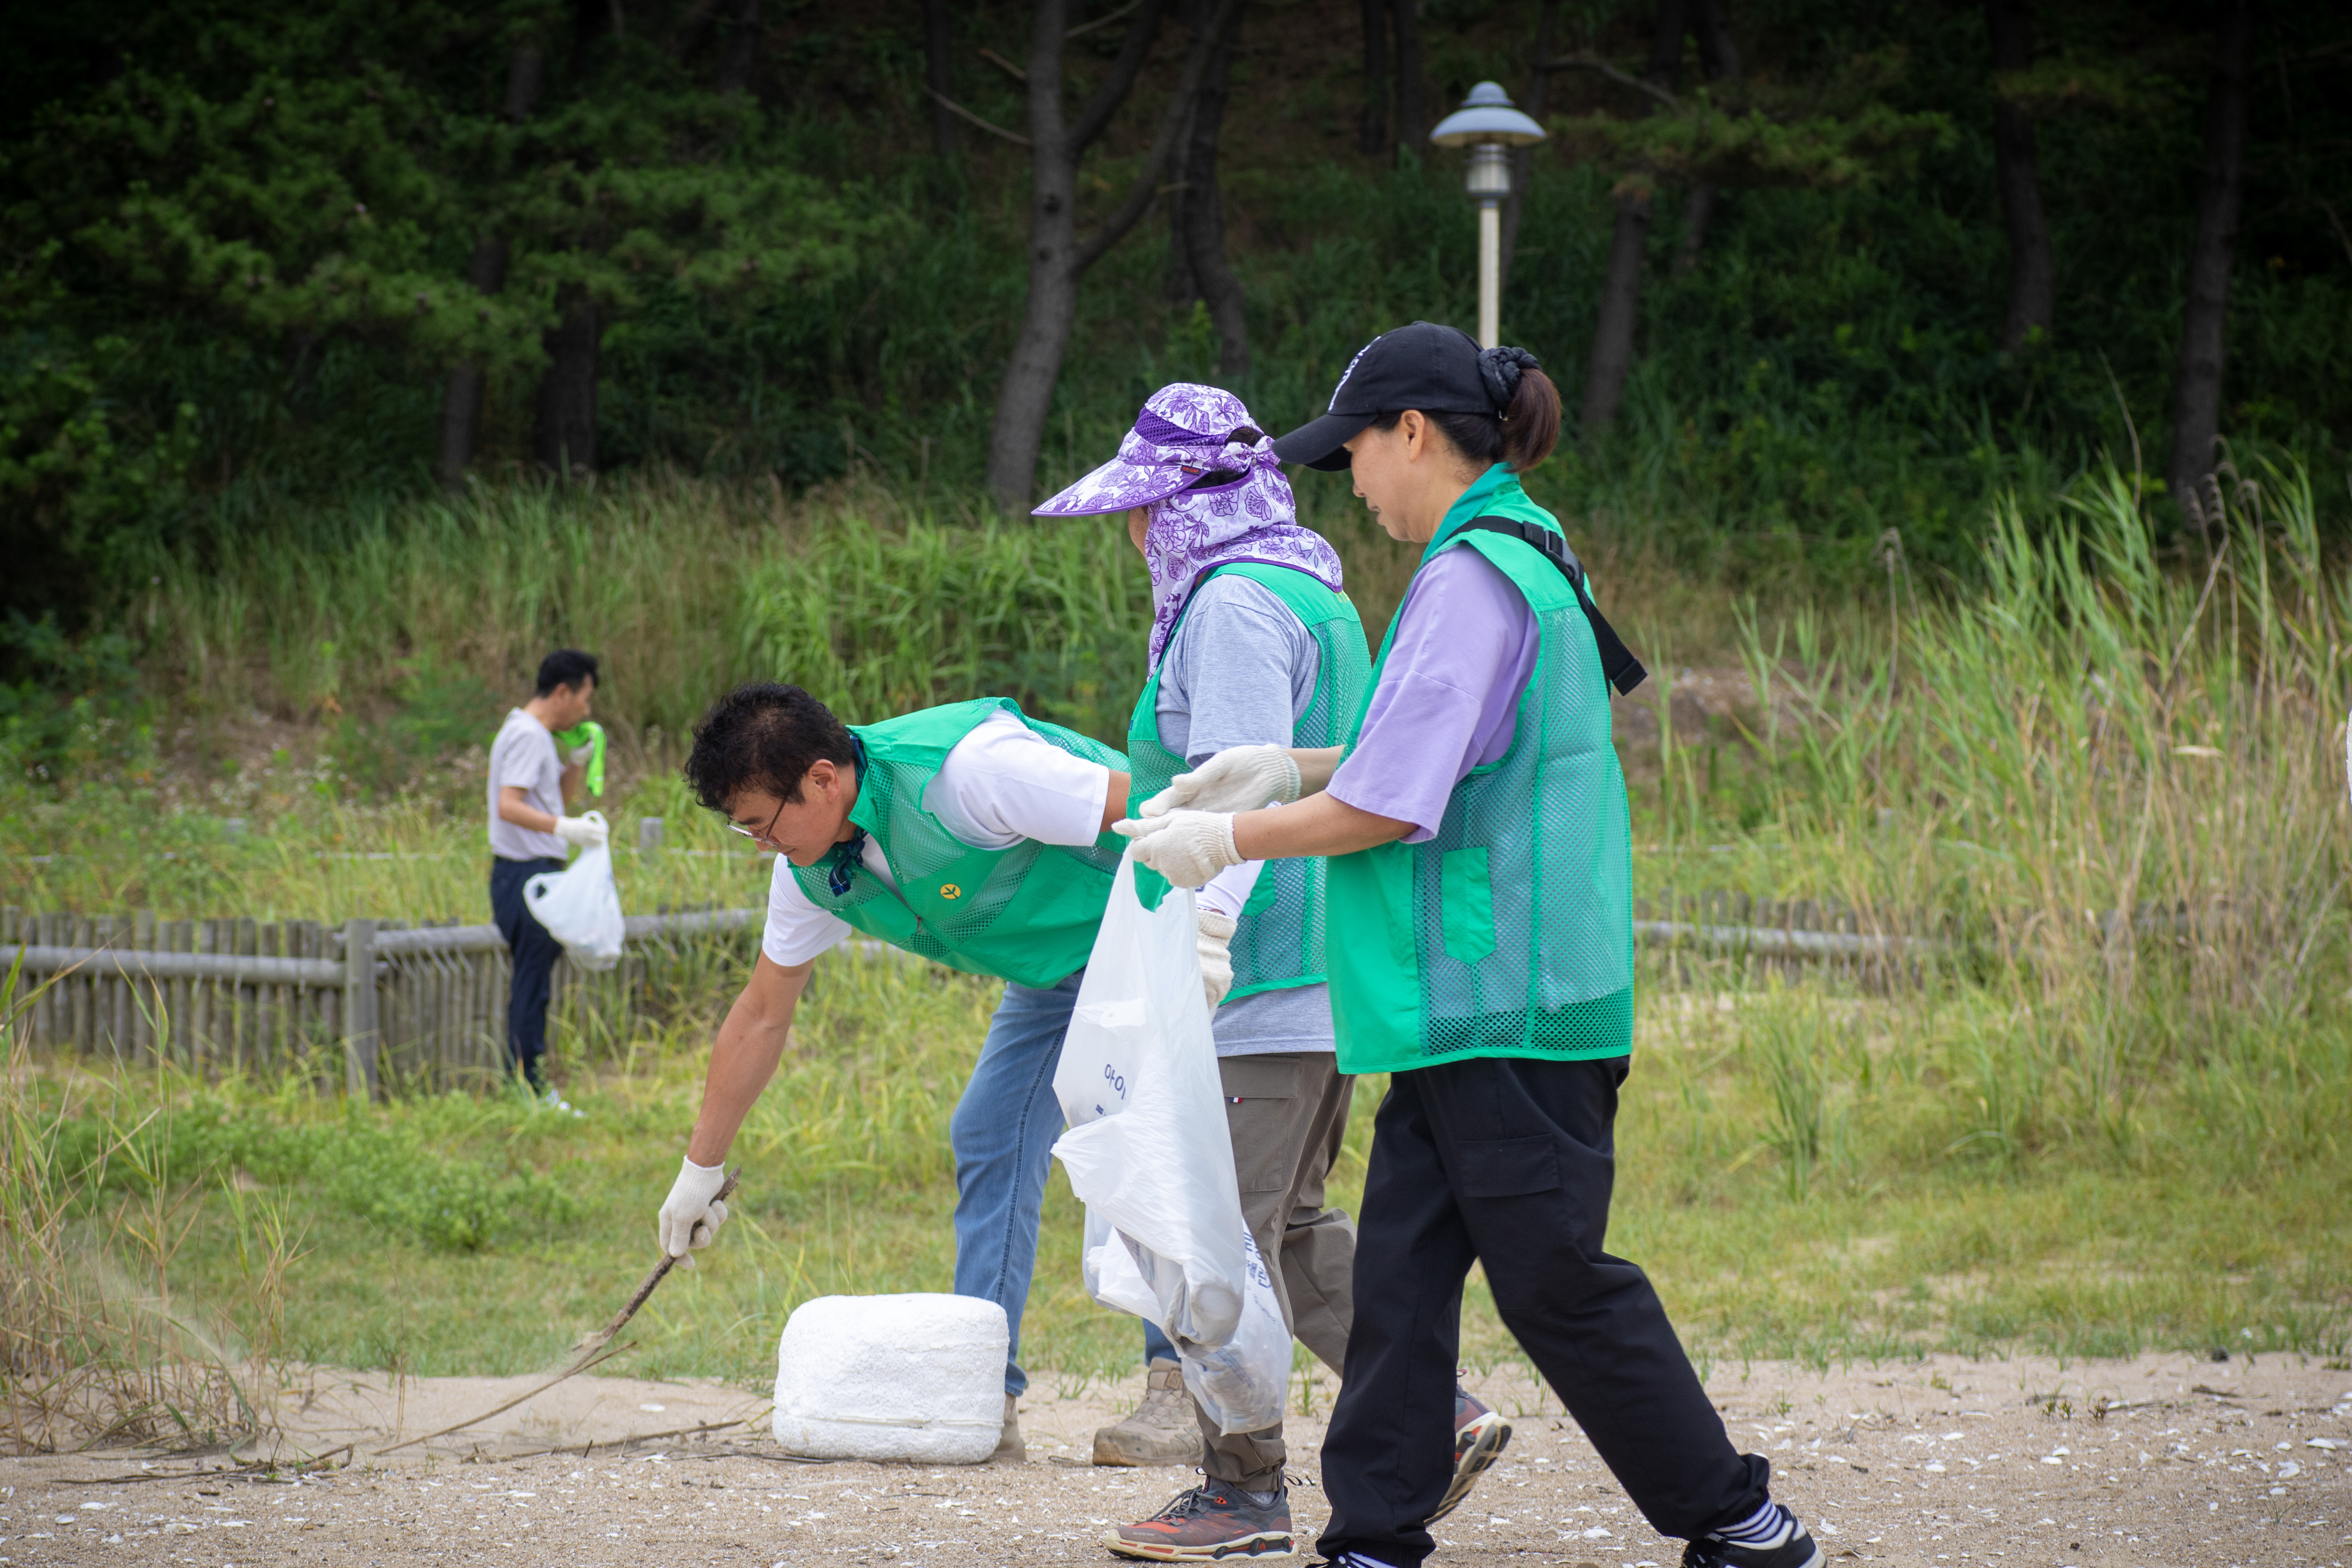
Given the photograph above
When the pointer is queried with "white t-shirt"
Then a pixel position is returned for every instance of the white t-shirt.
(524, 755)
(997, 786)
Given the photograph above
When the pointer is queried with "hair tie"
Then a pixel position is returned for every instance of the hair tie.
(1499, 369)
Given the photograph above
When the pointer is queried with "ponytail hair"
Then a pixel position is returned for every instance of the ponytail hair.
(1525, 426)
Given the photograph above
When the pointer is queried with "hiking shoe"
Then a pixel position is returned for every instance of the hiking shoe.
(1790, 1547)
(1009, 1448)
(1479, 1437)
(1207, 1524)
(1162, 1430)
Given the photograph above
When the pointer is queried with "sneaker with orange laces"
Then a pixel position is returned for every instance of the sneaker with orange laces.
(1479, 1437)
(1208, 1523)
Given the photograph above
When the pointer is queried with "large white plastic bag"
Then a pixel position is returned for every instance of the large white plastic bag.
(580, 907)
(1148, 1154)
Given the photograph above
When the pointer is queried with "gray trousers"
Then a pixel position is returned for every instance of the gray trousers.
(1287, 1113)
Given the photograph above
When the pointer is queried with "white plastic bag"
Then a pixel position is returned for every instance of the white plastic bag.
(1149, 1153)
(580, 907)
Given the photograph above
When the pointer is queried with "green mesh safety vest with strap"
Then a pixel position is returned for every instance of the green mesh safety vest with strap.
(1279, 940)
(1510, 932)
(1027, 914)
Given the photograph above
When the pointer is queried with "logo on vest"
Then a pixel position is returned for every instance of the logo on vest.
(949, 890)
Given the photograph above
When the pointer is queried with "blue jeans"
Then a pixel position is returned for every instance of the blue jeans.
(1003, 1134)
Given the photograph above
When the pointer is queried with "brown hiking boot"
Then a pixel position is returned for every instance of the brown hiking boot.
(1009, 1448)
(1163, 1431)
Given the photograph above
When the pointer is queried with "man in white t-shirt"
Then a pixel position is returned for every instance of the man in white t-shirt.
(968, 833)
(529, 786)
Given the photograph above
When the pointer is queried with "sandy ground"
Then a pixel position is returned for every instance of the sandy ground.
(2019, 1464)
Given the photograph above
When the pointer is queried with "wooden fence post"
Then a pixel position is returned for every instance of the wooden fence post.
(359, 1008)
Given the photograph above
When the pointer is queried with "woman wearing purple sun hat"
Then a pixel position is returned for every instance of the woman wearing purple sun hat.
(1252, 645)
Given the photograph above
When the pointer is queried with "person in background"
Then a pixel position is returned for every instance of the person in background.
(532, 785)
(968, 833)
(1252, 643)
(1481, 953)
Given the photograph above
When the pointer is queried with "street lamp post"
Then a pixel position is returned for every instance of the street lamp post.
(1489, 127)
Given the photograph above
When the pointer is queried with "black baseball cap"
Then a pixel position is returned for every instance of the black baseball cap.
(1425, 366)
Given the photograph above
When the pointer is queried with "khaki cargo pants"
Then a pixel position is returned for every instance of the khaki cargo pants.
(1287, 1113)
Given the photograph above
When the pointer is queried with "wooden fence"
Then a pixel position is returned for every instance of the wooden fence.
(386, 1001)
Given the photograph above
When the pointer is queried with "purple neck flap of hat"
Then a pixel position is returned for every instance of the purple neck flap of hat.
(1185, 434)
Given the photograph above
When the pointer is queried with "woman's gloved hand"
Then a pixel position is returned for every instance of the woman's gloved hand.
(1216, 953)
(692, 1214)
(1238, 779)
(1188, 848)
(587, 832)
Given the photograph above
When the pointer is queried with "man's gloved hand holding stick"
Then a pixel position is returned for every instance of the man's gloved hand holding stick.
(695, 1210)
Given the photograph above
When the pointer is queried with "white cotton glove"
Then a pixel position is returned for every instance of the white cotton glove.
(587, 832)
(1216, 942)
(1188, 848)
(692, 1214)
(1238, 779)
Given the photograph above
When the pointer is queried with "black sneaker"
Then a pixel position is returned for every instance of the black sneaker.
(1207, 1524)
(1479, 1437)
(1794, 1548)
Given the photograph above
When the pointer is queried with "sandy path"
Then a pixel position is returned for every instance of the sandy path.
(1924, 1466)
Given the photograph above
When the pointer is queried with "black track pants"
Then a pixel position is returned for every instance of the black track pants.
(1510, 1162)
(534, 951)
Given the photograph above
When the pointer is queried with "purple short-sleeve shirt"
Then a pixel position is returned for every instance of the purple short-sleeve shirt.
(1465, 650)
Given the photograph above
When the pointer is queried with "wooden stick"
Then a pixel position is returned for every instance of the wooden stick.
(586, 1354)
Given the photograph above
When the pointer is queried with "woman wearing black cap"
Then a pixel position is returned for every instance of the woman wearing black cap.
(1480, 947)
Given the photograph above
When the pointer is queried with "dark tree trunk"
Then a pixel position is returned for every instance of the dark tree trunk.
(592, 22)
(1058, 257)
(461, 403)
(461, 400)
(1413, 121)
(1205, 212)
(564, 442)
(2197, 388)
(939, 70)
(1719, 56)
(1028, 389)
(2031, 279)
(1621, 290)
(1372, 128)
(1523, 159)
(742, 49)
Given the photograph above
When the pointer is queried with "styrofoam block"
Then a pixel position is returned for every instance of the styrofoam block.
(917, 1377)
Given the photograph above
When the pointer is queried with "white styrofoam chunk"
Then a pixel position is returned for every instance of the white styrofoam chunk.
(914, 1377)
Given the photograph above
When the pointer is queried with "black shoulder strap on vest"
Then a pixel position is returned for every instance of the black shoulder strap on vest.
(1617, 661)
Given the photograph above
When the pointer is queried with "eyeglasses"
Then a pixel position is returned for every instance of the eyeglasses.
(762, 836)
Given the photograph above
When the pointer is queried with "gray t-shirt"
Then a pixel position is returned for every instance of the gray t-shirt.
(1222, 684)
(524, 755)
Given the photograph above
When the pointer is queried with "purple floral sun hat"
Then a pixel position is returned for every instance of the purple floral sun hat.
(1185, 434)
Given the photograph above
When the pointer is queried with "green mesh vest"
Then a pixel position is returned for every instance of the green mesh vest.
(1279, 941)
(1510, 932)
(1027, 914)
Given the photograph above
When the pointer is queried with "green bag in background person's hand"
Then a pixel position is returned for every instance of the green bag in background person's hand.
(584, 743)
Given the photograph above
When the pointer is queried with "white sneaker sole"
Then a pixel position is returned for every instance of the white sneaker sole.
(1265, 1544)
(1489, 1434)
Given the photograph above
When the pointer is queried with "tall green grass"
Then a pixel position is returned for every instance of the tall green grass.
(2112, 789)
(2099, 1105)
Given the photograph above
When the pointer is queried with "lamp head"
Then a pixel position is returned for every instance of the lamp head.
(1486, 116)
